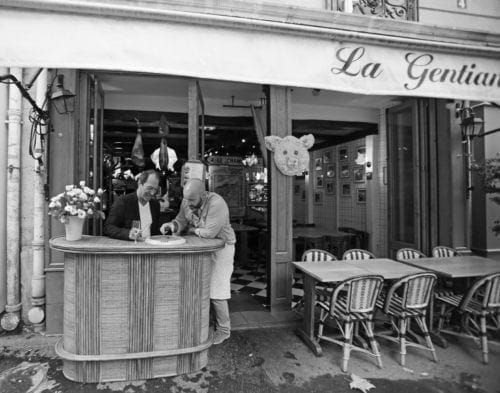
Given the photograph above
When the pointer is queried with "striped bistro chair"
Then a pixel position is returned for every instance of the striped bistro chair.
(405, 254)
(357, 254)
(352, 301)
(407, 300)
(443, 252)
(313, 255)
(482, 301)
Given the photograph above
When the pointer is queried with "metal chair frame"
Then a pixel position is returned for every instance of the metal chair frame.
(357, 254)
(352, 302)
(406, 300)
(405, 254)
(443, 252)
(482, 301)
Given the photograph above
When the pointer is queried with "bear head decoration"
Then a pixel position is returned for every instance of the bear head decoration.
(290, 153)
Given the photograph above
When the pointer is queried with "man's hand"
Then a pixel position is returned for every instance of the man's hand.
(168, 227)
(191, 231)
(135, 234)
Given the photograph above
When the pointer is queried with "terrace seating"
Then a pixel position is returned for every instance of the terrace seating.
(405, 254)
(357, 254)
(406, 300)
(444, 252)
(482, 301)
(352, 302)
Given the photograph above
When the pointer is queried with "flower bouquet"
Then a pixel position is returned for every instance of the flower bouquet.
(75, 204)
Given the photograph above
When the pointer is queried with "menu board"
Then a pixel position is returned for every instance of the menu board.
(229, 182)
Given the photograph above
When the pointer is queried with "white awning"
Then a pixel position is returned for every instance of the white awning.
(84, 41)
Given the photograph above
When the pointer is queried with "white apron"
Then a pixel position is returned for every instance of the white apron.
(222, 269)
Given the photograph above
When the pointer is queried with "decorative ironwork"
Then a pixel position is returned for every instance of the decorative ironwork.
(393, 9)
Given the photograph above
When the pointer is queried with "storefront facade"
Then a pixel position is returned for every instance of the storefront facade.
(280, 47)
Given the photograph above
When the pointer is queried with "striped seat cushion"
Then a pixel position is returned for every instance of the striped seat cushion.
(340, 310)
(396, 307)
(473, 307)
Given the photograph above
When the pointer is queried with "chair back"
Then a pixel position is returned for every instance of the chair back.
(490, 296)
(415, 293)
(360, 293)
(443, 252)
(357, 254)
(405, 254)
(316, 255)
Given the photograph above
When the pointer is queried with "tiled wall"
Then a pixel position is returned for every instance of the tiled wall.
(299, 200)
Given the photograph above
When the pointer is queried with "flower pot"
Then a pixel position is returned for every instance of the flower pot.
(74, 228)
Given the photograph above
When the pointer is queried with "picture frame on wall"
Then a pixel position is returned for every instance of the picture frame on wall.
(319, 181)
(318, 198)
(343, 153)
(327, 157)
(330, 187)
(344, 171)
(331, 171)
(361, 195)
(358, 174)
(360, 158)
(318, 164)
(345, 190)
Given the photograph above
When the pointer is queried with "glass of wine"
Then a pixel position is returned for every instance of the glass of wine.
(136, 224)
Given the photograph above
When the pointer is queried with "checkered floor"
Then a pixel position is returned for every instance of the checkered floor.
(247, 279)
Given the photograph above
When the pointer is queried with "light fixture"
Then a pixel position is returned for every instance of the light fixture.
(63, 99)
(469, 123)
(250, 160)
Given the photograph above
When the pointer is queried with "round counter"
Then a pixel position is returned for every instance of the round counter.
(134, 311)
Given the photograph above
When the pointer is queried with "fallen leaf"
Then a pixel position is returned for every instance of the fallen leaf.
(360, 383)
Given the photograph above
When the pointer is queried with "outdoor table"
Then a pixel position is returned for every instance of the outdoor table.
(336, 271)
(242, 245)
(134, 310)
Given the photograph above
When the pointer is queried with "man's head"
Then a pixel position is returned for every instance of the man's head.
(193, 191)
(147, 185)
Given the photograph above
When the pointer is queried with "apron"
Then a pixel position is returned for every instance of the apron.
(222, 269)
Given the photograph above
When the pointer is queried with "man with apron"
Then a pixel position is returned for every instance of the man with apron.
(206, 214)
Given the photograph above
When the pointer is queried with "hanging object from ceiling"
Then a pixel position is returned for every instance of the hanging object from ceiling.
(163, 155)
(138, 148)
(290, 153)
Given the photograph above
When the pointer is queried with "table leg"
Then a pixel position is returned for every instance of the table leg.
(436, 338)
(306, 333)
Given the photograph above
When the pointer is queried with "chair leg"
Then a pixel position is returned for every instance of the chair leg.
(441, 317)
(484, 339)
(348, 330)
(425, 332)
(369, 332)
(321, 322)
(402, 340)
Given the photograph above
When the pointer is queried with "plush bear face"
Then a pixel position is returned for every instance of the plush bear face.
(290, 153)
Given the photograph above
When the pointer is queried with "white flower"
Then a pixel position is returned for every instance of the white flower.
(73, 211)
(52, 204)
(82, 183)
(68, 208)
(90, 211)
(81, 213)
(87, 190)
(63, 219)
(96, 199)
(69, 187)
(90, 192)
(83, 197)
(100, 191)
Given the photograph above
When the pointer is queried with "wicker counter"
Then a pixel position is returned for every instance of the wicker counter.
(134, 311)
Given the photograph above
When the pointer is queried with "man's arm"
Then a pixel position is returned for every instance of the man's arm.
(114, 225)
(217, 215)
(180, 219)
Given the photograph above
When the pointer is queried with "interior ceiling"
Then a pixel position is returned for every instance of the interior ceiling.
(120, 127)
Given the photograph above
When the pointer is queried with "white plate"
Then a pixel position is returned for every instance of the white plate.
(165, 240)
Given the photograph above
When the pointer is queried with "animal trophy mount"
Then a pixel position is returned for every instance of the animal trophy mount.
(290, 153)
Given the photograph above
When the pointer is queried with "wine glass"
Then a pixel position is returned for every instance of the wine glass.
(136, 224)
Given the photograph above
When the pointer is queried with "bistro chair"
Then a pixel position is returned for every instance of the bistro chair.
(357, 254)
(405, 254)
(313, 255)
(444, 252)
(406, 300)
(352, 301)
(480, 302)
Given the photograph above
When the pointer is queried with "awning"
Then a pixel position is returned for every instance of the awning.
(33, 38)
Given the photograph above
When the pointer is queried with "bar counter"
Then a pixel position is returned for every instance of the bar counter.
(134, 311)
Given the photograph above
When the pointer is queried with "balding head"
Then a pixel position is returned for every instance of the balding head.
(193, 191)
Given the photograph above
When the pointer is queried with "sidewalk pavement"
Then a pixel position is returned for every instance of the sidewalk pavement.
(266, 360)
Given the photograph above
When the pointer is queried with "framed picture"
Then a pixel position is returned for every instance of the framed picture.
(327, 157)
(344, 171)
(343, 153)
(318, 198)
(360, 158)
(319, 181)
(330, 187)
(361, 195)
(359, 174)
(384, 175)
(331, 171)
(346, 190)
(318, 164)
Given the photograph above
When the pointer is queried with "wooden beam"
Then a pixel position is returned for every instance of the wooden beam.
(193, 136)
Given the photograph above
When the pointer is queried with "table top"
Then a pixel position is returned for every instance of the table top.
(335, 271)
(318, 231)
(457, 267)
(107, 245)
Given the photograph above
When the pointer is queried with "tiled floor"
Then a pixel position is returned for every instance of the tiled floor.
(254, 282)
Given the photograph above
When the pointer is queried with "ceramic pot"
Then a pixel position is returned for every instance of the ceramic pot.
(74, 228)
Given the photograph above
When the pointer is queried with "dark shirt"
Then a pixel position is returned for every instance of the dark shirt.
(125, 210)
